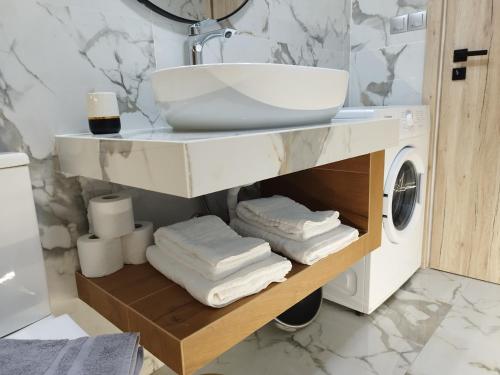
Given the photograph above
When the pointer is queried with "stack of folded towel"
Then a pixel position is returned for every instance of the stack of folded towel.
(292, 229)
(213, 263)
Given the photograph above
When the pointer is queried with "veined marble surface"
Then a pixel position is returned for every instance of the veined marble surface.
(193, 164)
(467, 342)
(438, 323)
(385, 69)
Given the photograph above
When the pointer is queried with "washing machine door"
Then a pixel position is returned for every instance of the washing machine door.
(403, 194)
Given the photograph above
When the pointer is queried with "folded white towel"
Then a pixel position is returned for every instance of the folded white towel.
(287, 218)
(210, 246)
(222, 269)
(306, 252)
(249, 280)
(301, 236)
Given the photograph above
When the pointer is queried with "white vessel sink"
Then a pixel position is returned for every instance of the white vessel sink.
(248, 96)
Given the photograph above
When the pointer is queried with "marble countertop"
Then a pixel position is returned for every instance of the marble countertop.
(190, 164)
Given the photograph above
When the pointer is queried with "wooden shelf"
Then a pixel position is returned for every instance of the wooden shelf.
(185, 334)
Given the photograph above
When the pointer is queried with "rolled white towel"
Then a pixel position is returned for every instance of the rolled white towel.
(285, 217)
(305, 252)
(247, 281)
(213, 247)
(222, 269)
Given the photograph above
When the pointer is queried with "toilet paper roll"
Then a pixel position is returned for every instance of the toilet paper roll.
(134, 245)
(112, 215)
(99, 257)
(89, 219)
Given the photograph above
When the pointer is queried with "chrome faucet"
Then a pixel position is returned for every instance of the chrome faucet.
(198, 38)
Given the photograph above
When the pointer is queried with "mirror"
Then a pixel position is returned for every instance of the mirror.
(192, 11)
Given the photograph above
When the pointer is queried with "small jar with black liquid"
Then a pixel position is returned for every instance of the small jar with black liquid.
(103, 113)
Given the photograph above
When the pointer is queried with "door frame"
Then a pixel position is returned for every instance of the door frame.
(431, 96)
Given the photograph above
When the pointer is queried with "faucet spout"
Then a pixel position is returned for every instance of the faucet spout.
(197, 38)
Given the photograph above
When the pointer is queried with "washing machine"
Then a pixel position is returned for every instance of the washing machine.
(372, 280)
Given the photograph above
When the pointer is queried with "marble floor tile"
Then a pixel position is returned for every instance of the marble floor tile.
(438, 323)
(456, 290)
(340, 342)
(482, 297)
(467, 342)
(438, 285)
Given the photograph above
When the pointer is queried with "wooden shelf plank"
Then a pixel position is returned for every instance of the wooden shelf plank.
(186, 334)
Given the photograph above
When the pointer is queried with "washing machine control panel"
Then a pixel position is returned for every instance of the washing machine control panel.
(415, 120)
(408, 118)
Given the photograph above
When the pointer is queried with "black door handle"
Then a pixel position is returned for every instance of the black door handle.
(460, 55)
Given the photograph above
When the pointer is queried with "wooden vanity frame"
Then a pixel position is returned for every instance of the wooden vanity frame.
(187, 335)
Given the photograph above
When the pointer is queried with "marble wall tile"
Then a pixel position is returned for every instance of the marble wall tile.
(265, 34)
(254, 19)
(385, 69)
(370, 27)
(74, 51)
(315, 35)
(169, 41)
(52, 55)
(242, 47)
(278, 31)
(387, 76)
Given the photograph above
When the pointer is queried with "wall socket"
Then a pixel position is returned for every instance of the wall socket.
(399, 24)
(417, 21)
(408, 22)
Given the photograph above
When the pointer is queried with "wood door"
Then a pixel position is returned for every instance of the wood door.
(466, 214)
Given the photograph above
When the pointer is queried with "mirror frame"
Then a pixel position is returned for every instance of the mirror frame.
(164, 13)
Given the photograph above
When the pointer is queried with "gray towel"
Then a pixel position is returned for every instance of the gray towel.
(33, 357)
(118, 354)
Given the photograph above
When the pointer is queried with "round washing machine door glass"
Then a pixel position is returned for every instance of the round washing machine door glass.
(402, 194)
